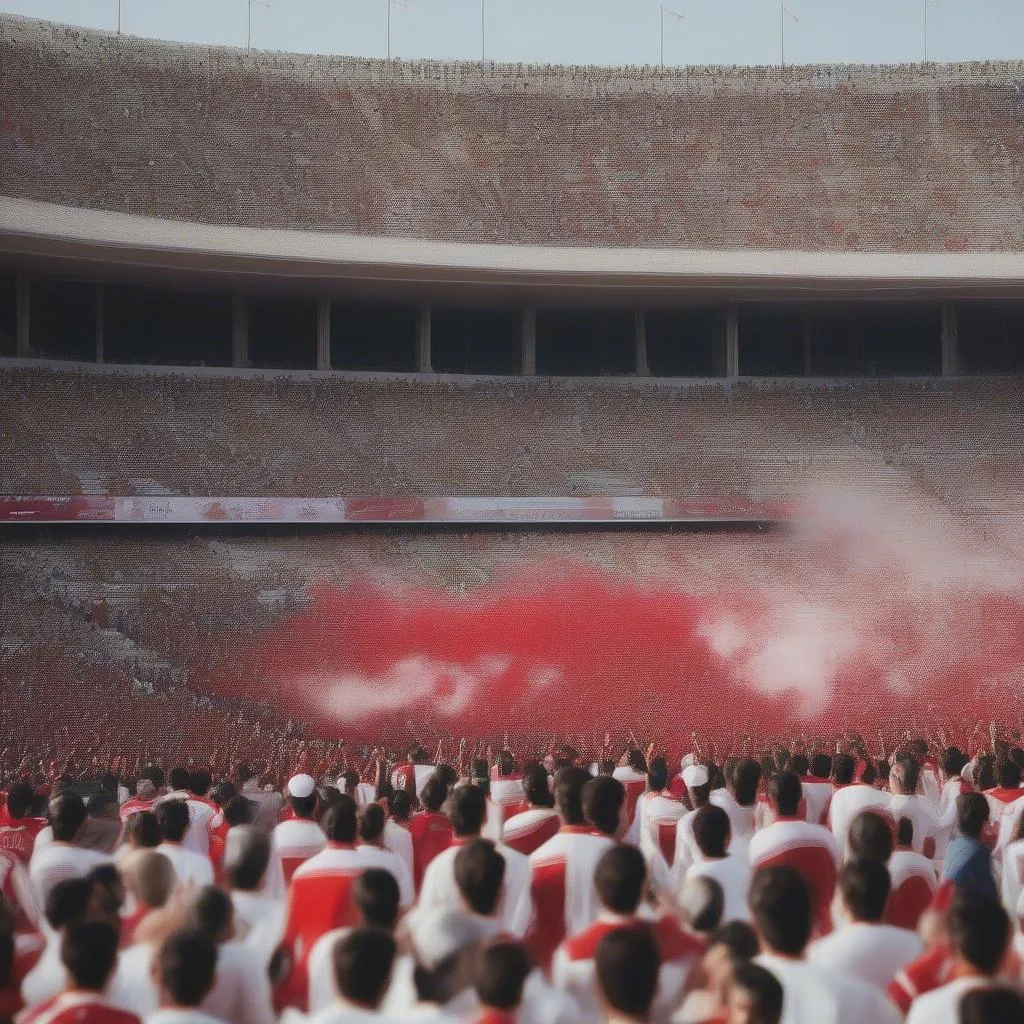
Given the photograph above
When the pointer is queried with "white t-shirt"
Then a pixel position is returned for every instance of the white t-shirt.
(180, 1017)
(398, 840)
(191, 868)
(57, 862)
(48, 978)
(741, 820)
(261, 919)
(847, 802)
(733, 874)
(812, 996)
(873, 953)
(942, 1005)
(920, 812)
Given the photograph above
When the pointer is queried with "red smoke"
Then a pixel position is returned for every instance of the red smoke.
(574, 651)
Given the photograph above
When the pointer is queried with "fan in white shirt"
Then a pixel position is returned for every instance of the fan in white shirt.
(659, 813)
(68, 903)
(183, 975)
(375, 896)
(863, 947)
(698, 786)
(780, 903)
(904, 803)
(259, 918)
(979, 935)
(191, 868)
(300, 837)
(850, 798)
(61, 859)
(361, 965)
(371, 845)
(739, 801)
(397, 837)
(467, 808)
(730, 871)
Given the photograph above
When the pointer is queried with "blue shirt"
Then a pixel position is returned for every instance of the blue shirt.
(968, 865)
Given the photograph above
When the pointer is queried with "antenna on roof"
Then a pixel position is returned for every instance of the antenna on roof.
(119, 18)
(783, 12)
(404, 4)
(673, 13)
(248, 19)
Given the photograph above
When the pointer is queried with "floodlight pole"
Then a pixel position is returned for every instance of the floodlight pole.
(662, 61)
(926, 3)
(483, 38)
(388, 2)
(782, 32)
(118, 17)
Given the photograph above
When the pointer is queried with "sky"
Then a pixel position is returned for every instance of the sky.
(608, 32)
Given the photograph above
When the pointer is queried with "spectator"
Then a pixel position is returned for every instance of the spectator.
(300, 837)
(499, 977)
(968, 863)
(627, 965)
(62, 859)
(755, 996)
(731, 872)
(184, 971)
(992, 1005)
(362, 962)
(192, 868)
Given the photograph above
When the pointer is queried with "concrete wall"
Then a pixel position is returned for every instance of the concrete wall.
(912, 158)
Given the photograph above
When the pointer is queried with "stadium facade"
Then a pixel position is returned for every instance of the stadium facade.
(248, 287)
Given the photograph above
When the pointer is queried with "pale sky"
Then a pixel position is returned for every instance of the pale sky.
(577, 31)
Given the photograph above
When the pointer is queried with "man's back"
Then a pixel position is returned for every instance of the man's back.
(78, 1008)
(847, 802)
(18, 835)
(56, 862)
(872, 953)
(294, 842)
(431, 833)
(531, 829)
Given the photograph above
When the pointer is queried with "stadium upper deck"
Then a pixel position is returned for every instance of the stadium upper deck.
(896, 159)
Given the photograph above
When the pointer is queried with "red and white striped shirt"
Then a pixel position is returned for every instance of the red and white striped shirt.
(527, 831)
(294, 842)
(18, 836)
(659, 815)
(634, 784)
(130, 807)
(811, 851)
(913, 885)
(562, 887)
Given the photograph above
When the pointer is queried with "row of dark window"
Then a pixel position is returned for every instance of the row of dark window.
(155, 326)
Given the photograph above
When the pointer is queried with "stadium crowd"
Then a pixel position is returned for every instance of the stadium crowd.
(806, 885)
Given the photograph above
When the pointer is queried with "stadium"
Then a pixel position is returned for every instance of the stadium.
(593, 460)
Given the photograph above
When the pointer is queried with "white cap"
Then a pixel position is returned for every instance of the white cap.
(967, 772)
(301, 786)
(439, 932)
(687, 761)
(695, 775)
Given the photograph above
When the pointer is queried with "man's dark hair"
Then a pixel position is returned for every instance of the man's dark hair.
(211, 911)
(711, 830)
(780, 903)
(69, 900)
(971, 814)
(179, 778)
(992, 1004)
(626, 963)
(619, 878)
(304, 806)
(904, 831)
(979, 931)
(506, 763)
(467, 808)
(702, 903)
(142, 829)
(798, 763)
(786, 791)
(435, 792)
(100, 802)
(746, 777)
(371, 823)
(224, 793)
(870, 836)
(764, 989)
(602, 800)
(88, 951)
(953, 761)
(362, 965)
(821, 766)
(569, 783)
(67, 816)
(375, 895)
(417, 755)
(339, 823)
(865, 885)
(984, 772)
(174, 820)
(536, 786)
(499, 973)
(108, 890)
(479, 874)
(186, 964)
(155, 774)
(200, 781)
(657, 776)
(401, 805)
(843, 767)
(1008, 774)
(636, 760)
(250, 856)
(738, 938)
(911, 773)
(239, 811)
(19, 799)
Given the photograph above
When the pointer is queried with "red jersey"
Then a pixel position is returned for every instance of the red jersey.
(18, 835)
(531, 829)
(431, 833)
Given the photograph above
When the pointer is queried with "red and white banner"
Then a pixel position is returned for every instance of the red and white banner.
(469, 510)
